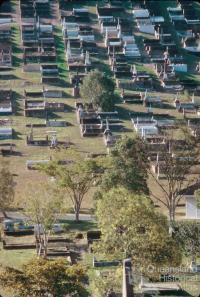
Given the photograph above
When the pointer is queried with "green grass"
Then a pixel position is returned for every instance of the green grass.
(60, 51)
(15, 258)
(79, 226)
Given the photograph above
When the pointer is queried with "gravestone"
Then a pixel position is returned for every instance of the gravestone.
(127, 286)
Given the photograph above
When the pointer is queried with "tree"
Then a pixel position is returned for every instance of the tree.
(197, 196)
(188, 235)
(101, 284)
(176, 161)
(98, 89)
(128, 166)
(76, 178)
(41, 277)
(6, 188)
(131, 227)
(42, 207)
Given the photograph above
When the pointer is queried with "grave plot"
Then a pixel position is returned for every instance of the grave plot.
(17, 227)
(6, 133)
(40, 108)
(192, 210)
(167, 76)
(27, 8)
(6, 102)
(149, 100)
(5, 31)
(35, 164)
(152, 126)
(37, 140)
(94, 123)
(39, 55)
(56, 123)
(145, 126)
(49, 73)
(190, 107)
(143, 21)
(8, 149)
(44, 93)
(194, 126)
(109, 137)
(42, 8)
(5, 56)
(130, 97)
(47, 139)
(28, 32)
(35, 8)
(35, 108)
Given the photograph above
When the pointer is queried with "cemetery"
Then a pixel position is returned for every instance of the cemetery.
(151, 51)
(5, 56)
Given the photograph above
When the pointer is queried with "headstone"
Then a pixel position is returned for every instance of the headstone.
(127, 287)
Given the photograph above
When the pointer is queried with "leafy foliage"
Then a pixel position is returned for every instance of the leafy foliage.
(40, 277)
(128, 166)
(197, 196)
(100, 283)
(188, 235)
(42, 207)
(177, 164)
(76, 178)
(6, 187)
(130, 226)
(98, 89)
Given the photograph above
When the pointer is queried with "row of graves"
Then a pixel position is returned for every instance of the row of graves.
(153, 128)
(168, 61)
(6, 95)
(161, 48)
(122, 50)
(187, 24)
(21, 234)
(35, 8)
(5, 21)
(116, 28)
(5, 38)
(98, 123)
(7, 133)
(6, 130)
(39, 104)
(80, 44)
(37, 34)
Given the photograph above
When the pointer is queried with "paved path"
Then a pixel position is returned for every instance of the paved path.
(69, 216)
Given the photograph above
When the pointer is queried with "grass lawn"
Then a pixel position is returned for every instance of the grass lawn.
(18, 80)
(15, 258)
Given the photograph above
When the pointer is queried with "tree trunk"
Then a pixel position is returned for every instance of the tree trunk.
(77, 215)
(37, 245)
(77, 208)
(45, 244)
(171, 218)
(4, 214)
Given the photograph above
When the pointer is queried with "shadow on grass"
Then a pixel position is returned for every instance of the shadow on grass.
(16, 105)
(17, 61)
(60, 52)
(67, 95)
(79, 226)
(16, 135)
(8, 76)
(124, 113)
